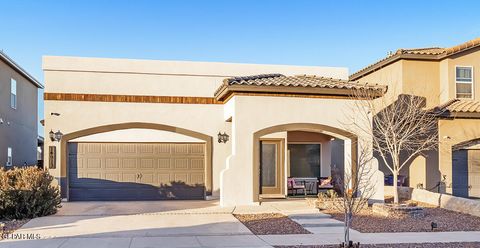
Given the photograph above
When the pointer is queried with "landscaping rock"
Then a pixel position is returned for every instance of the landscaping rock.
(398, 211)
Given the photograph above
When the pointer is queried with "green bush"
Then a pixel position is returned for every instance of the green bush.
(27, 193)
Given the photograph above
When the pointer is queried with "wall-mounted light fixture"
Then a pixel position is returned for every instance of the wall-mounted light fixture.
(223, 138)
(55, 136)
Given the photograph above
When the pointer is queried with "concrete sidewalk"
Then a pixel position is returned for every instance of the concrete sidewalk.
(194, 224)
(247, 240)
(372, 238)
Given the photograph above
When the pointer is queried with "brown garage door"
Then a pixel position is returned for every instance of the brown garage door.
(136, 171)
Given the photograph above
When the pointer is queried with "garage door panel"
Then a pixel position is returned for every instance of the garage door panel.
(154, 171)
(129, 163)
(197, 163)
(197, 149)
(94, 163)
(163, 149)
(181, 163)
(112, 163)
(197, 178)
(128, 148)
(164, 163)
(146, 163)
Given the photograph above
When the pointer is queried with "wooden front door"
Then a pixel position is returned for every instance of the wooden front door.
(271, 167)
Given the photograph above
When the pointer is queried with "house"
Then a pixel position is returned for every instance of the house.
(446, 78)
(123, 129)
(18, 114)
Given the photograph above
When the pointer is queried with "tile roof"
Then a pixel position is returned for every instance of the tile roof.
(465, 106)
(429, 53)
(459, 108)
(299, 81)
(427, 50)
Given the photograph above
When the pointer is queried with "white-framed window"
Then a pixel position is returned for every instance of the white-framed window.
(464, 82)
(13, 93)
(9, 157)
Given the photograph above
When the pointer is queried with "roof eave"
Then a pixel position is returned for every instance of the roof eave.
(226, 91)
(390, 60)
(460, 115)
(20, 70)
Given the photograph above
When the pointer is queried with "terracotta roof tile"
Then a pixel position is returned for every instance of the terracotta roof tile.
(297, 81)
(303, 84)
(456, 106)
(428, 50)
(429, 53)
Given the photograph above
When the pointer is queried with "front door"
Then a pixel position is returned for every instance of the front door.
(271, 167)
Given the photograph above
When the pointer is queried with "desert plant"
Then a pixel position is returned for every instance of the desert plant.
(27, 193)
(329, 194)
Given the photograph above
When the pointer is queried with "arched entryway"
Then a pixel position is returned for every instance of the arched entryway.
(351, 141)
(204, 149)
(466, 169)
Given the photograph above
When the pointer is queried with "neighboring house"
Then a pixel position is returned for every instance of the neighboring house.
(447, 78)
(18, 114)
(148, 130)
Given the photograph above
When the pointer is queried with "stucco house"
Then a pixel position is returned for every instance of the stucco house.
(127, 129)
(446, 78)
(18, 114)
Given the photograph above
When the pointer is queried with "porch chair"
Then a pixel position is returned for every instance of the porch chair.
(294, 187)
(325, 183)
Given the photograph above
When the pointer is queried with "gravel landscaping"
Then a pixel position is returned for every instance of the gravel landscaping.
(9, 226)
(368, 222)
(270, 223)
(425, 245)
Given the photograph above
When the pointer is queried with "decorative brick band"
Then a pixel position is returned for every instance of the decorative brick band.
(129, 98)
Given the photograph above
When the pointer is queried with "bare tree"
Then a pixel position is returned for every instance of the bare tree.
(400, 131)
(357, 187)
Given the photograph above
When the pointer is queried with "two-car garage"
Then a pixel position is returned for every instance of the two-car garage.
(136, 171)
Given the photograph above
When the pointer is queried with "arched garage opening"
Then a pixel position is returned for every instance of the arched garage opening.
(136, 171)
(264, 144)
(466, 169)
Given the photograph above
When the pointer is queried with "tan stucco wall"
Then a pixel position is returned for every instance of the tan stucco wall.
(391, 76)
(470, 58)
(452, 132)
(421, 78)
(272, 111)
(173, 78)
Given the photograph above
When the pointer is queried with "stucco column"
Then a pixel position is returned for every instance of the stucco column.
(236, 179)
(445, 167)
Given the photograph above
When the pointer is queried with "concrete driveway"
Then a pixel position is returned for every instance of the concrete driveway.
(137, 224)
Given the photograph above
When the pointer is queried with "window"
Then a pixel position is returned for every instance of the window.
(464, 81)
(9, 157)
(13, 93)
(304, 160)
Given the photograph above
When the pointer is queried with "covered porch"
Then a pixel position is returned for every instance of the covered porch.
(302, 161)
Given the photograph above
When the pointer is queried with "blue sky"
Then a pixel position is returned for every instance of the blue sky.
(352, 34)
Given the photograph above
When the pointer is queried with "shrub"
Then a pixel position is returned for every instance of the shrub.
(27, 193)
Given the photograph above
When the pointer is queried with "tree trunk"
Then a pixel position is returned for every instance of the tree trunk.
(348, 222)
(395, 187)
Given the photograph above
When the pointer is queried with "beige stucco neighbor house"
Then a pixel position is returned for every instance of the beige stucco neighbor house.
(446, 77)
(18, 114)
(153, 130)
